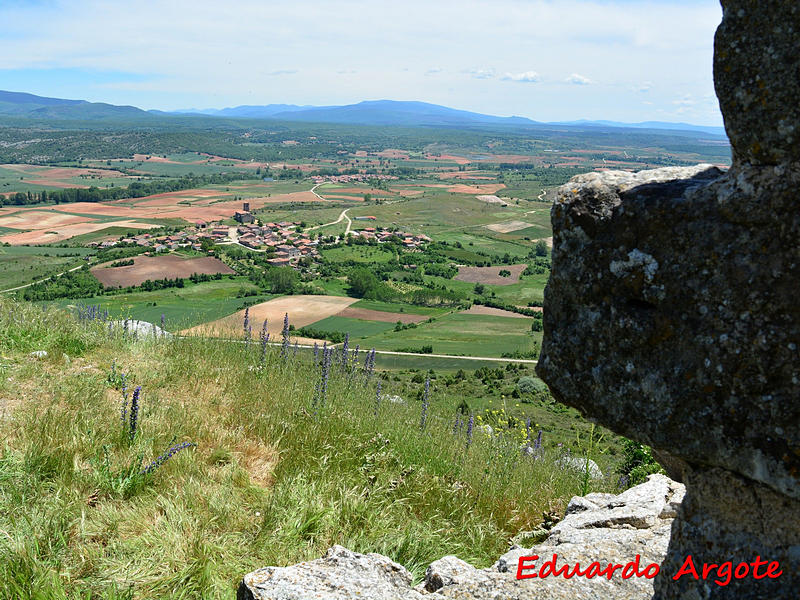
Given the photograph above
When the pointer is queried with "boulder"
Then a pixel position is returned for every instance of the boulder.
(339, 575)
(756, 66)
(671, 314)
(580, 465)
(606, 528)
(139, 329)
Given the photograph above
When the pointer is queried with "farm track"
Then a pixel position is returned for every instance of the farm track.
(394, 353)
(22, 287)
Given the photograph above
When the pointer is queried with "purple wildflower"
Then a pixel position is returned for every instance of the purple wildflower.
(316, 352)
(246, 318)
(377, 398)
(285, 333)
(134, 410)
(344, 350)
(162, 322)
(124, 410)
(457, 423)
(326, 371)
(537, 445)
(264, 338)
(425, 397)
(165, 457)
(470, 425)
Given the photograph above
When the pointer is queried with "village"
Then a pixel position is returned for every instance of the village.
(285, 241)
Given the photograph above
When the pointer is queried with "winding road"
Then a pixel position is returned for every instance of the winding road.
(343, 215)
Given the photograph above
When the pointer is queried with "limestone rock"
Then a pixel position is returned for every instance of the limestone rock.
(671, 317)
(682, 336)
(140, 329)
(339, 575)
(757, 78)
(38, 354)
(606, 528)
(579, 465)
(447, 571)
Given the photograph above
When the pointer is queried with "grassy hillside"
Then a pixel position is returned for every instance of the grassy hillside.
(273, 479)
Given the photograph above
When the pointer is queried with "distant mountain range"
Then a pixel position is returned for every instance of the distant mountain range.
(648, 125)
(18, 104)
(373, 112)
(370, 112)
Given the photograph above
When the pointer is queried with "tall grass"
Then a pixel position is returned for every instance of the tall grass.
(272, 480)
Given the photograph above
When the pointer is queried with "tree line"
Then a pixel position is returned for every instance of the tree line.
(137, 189)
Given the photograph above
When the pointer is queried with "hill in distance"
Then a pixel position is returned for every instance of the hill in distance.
(18, 104)
(371, 112)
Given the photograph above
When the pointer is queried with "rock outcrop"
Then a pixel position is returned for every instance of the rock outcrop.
(606, 528)
(139, 329)
(672, 316)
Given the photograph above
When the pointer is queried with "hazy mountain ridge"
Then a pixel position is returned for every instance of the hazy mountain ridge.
(369, 112)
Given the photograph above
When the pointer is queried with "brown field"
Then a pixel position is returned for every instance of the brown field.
(478, 309)
(47, 236)
(409, 193)
(509, 226)
(39, 219)
(465, 175)
(278, 198)
(172, 198)
(508, 158)
(302, 311)
(459, 160)
(492, 199)
(158, 267)
(487, 188)
(490, 275)
(354, 190)
(342, 197)
(378, 315)
(58, 177)
(209, 205)
(392, 153)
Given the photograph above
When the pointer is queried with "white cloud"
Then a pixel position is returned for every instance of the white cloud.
(193, 52)
(577, 79)
(480, 73)
(526, 77)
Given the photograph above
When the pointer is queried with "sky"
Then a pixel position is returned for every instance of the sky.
(548, 60)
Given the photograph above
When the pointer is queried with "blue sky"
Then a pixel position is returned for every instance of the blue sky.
(624, 60)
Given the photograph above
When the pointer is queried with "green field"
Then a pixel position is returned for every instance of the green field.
(468, 335)
(357, 328)
(462, 218)
(393, 362)
(360, 254)
(398, 307)
(25, 179)
(530, 288)
(23, 264)
(114, 232)
(181, 307)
